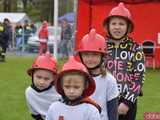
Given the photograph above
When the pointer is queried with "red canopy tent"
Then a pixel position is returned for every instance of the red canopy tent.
(145, 14)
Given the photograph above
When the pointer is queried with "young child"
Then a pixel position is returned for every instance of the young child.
(43, 38)
(41, 93)
(92, 53)
(75, 85)
(125, 60)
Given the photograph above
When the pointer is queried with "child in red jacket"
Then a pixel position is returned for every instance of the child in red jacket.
(43, 38)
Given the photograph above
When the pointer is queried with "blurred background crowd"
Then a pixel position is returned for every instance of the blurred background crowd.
(20, 24)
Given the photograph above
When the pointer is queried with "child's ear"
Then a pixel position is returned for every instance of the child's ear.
(129, 28)
(86, 85)
(52, 83)
(54, 78)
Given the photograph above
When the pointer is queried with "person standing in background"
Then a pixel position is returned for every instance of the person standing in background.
(43, 38)
(66, 38)
(19, 36)
(27, 30)
(9, 33)
(2, 42)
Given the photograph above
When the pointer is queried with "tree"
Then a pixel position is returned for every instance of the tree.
(46, 9)
(25, 5)
(7, 5)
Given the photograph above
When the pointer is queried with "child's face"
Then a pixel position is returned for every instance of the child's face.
(73, 85)
(91, 59)
(118, 27)
(42, 78)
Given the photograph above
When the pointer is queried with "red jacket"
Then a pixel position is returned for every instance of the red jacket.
(43, 33)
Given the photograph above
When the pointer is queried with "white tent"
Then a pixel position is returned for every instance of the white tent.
(15, 17)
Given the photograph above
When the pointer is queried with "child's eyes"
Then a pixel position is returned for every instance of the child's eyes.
(121, 24)
(46, 79)
(76, 87)
(39, 77)
(114, 23)
(68, 87)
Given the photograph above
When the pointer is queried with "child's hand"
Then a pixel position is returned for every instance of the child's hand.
(123, 109)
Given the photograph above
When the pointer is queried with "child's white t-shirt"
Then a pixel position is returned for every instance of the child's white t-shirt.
(84, 111)
(39, 102)
(106, 90)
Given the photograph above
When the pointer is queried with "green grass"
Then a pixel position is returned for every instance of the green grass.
(151, 99)
(14, 80)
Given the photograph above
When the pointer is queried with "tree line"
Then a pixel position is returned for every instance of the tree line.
(38, 10)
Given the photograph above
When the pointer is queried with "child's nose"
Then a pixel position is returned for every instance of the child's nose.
(71, 90)
(42, 81)
(116, 26)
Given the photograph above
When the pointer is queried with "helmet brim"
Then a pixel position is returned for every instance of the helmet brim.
(31, 70)
(107, 19)
(88, 91)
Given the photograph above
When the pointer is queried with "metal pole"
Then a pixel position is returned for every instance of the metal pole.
(23, 35)
(55, 27)
(75, 4)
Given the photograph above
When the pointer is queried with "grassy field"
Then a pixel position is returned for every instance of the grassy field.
(14, 80)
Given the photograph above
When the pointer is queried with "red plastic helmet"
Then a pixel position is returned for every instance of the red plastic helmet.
(120, 11)
(44, 61)
(93, 42)
(73, 65)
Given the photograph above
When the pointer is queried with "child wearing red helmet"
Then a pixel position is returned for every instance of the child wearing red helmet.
(43, 38)
(125, 60)
(41, 93)
(75, 85)
(92, 52)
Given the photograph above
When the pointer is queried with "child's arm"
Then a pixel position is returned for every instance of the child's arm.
(32, 110)
(92, 113)
(34, 114)
(137, 81)
(112, 107)
(112, 102)
(37, 117)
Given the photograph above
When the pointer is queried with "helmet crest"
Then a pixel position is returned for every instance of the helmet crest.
(92, 42)
(92, 34)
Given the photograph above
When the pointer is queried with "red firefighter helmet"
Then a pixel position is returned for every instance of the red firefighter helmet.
(73, 65)
(92, 42)
(44, 61)
(120, 11)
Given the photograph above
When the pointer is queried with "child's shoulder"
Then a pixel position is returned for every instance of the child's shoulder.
(90, 109)
(56, 103)
(56, 106)
(28, 90)
(91, 103)
(110, 77)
